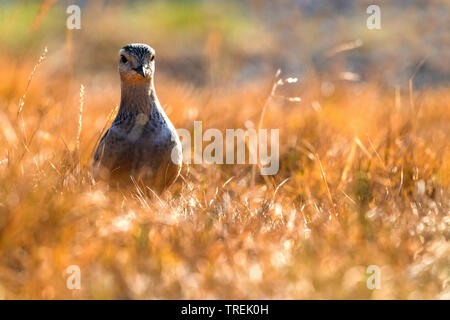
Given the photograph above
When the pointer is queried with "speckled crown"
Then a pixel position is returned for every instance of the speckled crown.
(139, 50)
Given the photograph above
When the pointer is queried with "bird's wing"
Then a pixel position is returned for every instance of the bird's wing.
(100, 148)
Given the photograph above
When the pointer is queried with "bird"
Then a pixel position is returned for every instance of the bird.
(141, 146)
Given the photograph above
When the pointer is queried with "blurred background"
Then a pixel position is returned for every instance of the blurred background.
(230, 42)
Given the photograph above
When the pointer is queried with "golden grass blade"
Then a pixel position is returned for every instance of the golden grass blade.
(324, 177)
(30, 78)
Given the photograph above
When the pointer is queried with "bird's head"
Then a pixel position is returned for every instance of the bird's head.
(136, 63)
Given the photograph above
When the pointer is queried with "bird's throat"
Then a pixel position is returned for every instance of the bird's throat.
(137, 97)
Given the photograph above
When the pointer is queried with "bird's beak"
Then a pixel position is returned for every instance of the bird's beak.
(142, 71)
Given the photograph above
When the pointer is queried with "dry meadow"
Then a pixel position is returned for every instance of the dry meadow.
(364, 163)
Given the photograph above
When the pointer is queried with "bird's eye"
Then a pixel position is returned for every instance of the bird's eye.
(152, 58)
(123, 59)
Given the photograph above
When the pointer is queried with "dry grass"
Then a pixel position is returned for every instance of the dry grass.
(378, 195)
(363, 180)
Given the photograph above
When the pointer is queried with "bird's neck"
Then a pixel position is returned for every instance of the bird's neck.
(137, 98)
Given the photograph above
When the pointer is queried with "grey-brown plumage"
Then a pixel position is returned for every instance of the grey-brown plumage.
(141, 144)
